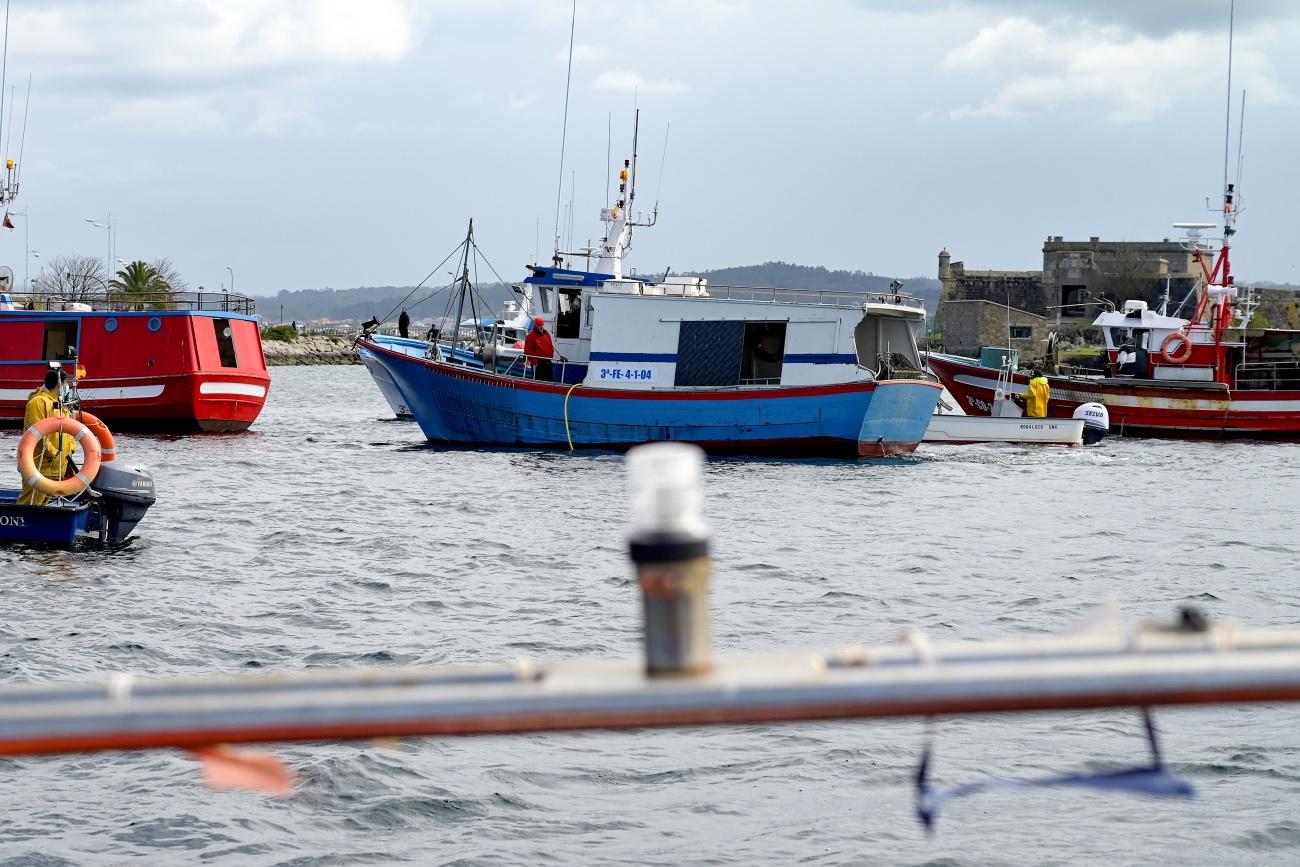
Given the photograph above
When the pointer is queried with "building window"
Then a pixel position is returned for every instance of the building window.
(1071, 295)
(1022, 332)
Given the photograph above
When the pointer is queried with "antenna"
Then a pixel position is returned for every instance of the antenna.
(1227, 113)
(1241, 135)
(564, 130)
(4, 63)
(662, 160)
(609, 138)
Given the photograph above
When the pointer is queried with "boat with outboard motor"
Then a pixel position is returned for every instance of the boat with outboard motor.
(1007, 423)
(99, 500)
(733, 369)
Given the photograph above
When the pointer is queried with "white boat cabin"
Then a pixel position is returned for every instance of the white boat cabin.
(682, 333)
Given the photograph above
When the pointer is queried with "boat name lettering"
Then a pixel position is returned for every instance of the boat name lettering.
(12, 521)
(626, 373)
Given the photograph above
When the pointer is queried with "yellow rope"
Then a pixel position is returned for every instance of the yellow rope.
(568, 435)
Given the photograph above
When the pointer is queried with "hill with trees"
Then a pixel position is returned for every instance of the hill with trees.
(360, 303)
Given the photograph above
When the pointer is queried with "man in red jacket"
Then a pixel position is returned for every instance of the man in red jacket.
(540, 350)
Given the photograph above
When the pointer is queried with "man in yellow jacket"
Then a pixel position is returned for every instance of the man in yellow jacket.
(55, 449)
(1038, 395)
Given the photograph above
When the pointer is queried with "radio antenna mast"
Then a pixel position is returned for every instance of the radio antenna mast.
(564, 132)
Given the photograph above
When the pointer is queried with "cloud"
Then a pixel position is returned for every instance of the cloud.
(626, 81)
(1109, 71)
(179, 115)
(516, 103)
(241, 50)
(1145, 16)
(582, 54)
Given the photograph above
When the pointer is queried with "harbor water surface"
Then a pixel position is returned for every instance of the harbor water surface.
(331, 535)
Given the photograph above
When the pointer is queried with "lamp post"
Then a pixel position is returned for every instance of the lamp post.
(108, 225)
(232, 278)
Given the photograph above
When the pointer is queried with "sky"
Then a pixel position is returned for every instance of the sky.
(291, 144)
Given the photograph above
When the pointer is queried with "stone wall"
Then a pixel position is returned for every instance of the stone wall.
(313, 349)
(967, 326)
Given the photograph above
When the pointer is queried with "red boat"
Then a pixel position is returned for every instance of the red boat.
(191, 362)
(1208, 376)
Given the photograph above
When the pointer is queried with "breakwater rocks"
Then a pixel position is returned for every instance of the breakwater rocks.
(310, 349)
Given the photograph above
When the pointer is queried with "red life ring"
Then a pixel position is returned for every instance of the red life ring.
(31, 440)
(1183, 354)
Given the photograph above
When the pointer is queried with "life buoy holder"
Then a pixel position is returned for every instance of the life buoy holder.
(107, 445)
(1184, 353)
(32, 438)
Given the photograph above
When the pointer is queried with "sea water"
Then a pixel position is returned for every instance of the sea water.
(331, 535)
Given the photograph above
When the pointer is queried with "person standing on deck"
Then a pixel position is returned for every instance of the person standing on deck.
(539, 350)
(1036, 398)
(404, 324)
(56, 448)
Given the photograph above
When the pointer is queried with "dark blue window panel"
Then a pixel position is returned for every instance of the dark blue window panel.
(708, 353)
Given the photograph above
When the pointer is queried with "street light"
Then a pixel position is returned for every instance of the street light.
(105, 224)
(232, 278)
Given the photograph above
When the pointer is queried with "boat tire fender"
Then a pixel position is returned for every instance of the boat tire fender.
(90, 461)
(107, 445)
(1184, 352)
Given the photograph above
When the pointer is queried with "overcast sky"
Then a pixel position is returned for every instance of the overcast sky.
(341, 143)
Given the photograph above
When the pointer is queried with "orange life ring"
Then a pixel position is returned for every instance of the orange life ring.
(1183, 354)
(107, 445)
(32, 438)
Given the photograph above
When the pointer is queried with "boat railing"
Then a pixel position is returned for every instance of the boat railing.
(124, 302)
(821, 297)
(1268, 376)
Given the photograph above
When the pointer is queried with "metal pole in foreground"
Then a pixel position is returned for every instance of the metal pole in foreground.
(670, 546)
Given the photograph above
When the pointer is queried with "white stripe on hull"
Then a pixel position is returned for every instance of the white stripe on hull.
(244, 388)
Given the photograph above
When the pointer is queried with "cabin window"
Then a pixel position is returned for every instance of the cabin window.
(762, 353)
(544, 298)
(568, 318)
(225, 342)
(59, 338)
(1021, 332)
(709, 353)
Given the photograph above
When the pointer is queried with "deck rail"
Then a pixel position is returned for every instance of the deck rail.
(1268, 376)
(224, 302)
(824, 297)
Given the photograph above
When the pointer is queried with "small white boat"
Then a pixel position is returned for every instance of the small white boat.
(969, 429)
(1007, 424)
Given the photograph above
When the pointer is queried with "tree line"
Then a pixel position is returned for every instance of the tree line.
(84, 279)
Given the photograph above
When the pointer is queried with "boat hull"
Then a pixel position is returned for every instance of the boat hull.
(159, 371)
(1140, 407)
(974, 429)
(459, 405)
(42, 525)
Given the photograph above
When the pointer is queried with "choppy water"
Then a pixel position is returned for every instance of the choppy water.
(329, 536)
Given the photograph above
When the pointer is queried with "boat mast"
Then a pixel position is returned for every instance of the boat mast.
(463, 280)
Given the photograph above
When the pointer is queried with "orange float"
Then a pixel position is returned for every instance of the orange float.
(32, 438)
(107, 445)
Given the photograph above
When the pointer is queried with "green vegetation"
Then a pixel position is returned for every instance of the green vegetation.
(280, 332)
(140, 284)
(1258, 320)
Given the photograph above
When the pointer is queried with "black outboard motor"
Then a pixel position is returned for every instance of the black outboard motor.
(124, 495)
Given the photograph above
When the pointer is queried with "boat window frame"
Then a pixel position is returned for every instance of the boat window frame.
(225, 338)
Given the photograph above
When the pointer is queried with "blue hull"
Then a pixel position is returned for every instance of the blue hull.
(42, 525)
(460, 405)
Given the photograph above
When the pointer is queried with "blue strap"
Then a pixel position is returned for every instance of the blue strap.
(1152, 780)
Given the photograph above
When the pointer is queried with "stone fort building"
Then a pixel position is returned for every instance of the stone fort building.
(1078, 279)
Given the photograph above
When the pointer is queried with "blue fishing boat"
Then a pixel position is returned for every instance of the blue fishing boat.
(107, 511)
(733, 369)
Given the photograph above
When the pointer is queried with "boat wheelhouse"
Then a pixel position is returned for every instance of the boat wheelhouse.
(189, 361)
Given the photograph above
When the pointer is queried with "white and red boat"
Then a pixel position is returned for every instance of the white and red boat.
(1208, 376)
(191, 362)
